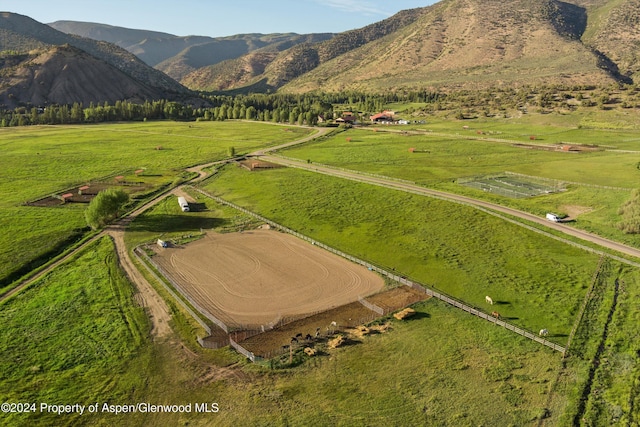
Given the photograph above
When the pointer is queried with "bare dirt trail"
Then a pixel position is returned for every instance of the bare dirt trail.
(147, 296)
(412, 188)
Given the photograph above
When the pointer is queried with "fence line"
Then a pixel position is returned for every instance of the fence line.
(137, 252)
(393, 276)
(371, 306)
(583, 307)
(240, 349)
(205, 343)
(606, 187)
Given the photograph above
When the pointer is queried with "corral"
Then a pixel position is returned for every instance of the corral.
(261, 278)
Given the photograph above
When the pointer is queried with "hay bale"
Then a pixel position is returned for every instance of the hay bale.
(309, 351)
(336, 342)
(381, 328)
(404, 314)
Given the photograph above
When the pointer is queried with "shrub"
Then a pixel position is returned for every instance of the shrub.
(105, 207)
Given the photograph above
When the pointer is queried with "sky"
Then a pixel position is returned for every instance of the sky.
(216, 18)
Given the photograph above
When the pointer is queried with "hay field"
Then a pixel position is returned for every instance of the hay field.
(259, 277)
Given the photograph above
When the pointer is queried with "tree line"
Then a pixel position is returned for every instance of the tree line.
(310, 108)
(279, 108)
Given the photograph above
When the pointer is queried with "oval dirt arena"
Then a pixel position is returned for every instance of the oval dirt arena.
(257, 277)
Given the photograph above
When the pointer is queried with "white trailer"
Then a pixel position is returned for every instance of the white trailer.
(183, 204)
(553, 217)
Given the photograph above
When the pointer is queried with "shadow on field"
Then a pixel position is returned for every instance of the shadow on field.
(501, 303)
(505, 318)
(172, 223)
(418, 316)
(557, 336)
(197, 207)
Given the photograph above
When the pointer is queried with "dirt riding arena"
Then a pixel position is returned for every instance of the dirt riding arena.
(257, 278)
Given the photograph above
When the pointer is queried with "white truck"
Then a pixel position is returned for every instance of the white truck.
(183, 204)
(553, 217)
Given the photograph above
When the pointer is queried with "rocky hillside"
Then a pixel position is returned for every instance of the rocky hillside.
(21, 34)
(614, 33)
(454, 44)
(64, 75)
(467, 44)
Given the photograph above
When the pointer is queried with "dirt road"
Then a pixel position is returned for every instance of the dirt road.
(411, 188)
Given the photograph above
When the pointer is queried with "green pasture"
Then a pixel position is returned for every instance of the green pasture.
(537, 282)
(166, 221)
(448, 157)
(43, 160)
(445, 158)
(75, 336)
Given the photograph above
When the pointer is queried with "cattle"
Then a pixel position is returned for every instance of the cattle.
(543, 332)
(488, 300)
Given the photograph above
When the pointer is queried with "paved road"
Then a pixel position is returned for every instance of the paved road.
(412, 188)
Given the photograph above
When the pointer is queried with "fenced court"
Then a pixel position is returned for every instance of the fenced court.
(514, 186)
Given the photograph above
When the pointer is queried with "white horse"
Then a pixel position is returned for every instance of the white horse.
(488, 300)
(543, 332)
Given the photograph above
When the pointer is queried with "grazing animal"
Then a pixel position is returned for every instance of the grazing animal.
(308, 337)
(495, 314)
(299, 335)
(543, 333)
(294, 339)
(488, 300)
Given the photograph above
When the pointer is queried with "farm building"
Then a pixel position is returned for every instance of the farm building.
(385, 116)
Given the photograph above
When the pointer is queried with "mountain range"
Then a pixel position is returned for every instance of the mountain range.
(453, 44)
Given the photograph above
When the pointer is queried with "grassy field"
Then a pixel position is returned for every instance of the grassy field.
(38, 161)
(65, 337)
(456, 249)
(78, 335)
(447, 157)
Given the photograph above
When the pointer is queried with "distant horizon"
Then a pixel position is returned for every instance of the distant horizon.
(213, 19)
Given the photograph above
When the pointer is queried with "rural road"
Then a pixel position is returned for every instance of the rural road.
(412, 188)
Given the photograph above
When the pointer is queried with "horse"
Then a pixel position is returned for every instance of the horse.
(488, 300)
(495, 314)
(543, 332)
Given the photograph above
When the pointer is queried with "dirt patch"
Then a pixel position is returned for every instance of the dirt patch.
(323, 325)
(573, 211)
(397, 298)
(257, 165)
(262, 277)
